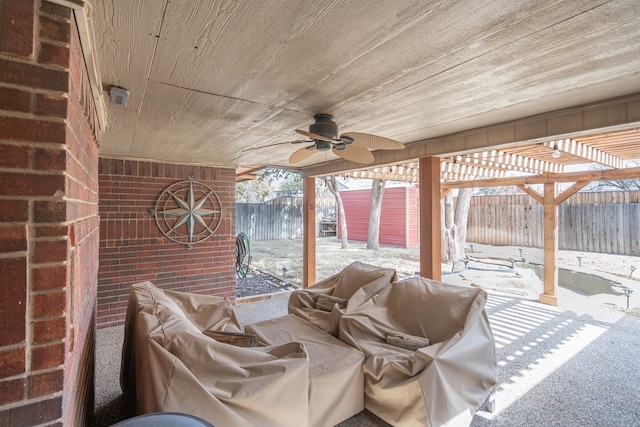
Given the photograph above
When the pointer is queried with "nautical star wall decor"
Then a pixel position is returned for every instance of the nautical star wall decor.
(188, 212)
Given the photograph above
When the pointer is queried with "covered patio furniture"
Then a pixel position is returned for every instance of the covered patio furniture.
(443, 379)
(325, 302)
(336, 382)
(170, 364)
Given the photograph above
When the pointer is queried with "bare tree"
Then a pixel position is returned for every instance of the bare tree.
(373, 236)
(330, 181)
(255, 191)
(454, 225)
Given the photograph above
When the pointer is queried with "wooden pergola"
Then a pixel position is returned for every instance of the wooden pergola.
(539, 162)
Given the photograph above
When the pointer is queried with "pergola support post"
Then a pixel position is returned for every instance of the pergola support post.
(550, 201)
(550, 241)
(309, 231)
(430, 228)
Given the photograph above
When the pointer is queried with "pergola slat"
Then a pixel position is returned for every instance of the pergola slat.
(585, 153)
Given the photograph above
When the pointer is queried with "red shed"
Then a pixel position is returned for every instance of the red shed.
(399, 218)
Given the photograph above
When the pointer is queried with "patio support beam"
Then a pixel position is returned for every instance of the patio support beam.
(571, 191)
(430, 237)
(532, 193)
(550, 276)
(444, 192)
(308, 231)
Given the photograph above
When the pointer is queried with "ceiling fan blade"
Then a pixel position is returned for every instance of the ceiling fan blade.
(302, 154)
(355, 153)
(314, 135)
(373, 141)
(273, 145)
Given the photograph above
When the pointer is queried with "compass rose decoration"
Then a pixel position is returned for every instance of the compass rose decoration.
(188, 212)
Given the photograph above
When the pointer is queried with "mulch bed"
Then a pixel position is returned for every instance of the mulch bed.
(259, 283)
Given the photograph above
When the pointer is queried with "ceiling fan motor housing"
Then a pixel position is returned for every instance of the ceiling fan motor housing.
(324, 126)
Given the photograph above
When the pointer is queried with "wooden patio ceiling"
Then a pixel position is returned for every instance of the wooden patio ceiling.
(610, 149)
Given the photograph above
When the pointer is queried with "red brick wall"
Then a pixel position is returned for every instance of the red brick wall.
(132, 248)
(48, 218)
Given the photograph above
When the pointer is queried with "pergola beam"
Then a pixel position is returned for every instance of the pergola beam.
(246, 177)
(592, 175)
(247, 174)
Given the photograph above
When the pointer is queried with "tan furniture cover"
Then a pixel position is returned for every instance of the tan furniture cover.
(169, 365)
(336, 382)
(356, 283)
(442, 384)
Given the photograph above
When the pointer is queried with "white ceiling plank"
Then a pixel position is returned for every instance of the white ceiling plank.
(118, 137)
(179, 123)
(274, 51)
(222, 77)
(126, 36)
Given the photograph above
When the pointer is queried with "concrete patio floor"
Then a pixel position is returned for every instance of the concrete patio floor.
(569, 366)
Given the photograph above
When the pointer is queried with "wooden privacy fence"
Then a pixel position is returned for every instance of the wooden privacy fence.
(279, 218)
(604, 222)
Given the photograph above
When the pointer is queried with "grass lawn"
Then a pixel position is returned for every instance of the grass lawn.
(272, 255)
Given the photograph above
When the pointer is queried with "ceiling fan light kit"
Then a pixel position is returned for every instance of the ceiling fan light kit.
(321, 146)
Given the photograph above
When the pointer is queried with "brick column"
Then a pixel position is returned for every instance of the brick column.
(48, 218)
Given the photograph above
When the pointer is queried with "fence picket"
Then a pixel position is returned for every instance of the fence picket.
(603, 222)
(277, 219)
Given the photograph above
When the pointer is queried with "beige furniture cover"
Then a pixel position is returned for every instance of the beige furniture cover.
(356, 283)
(169, 365)
(442, 384)
(336, 382)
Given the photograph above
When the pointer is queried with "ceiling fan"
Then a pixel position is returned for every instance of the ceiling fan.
(352, 146)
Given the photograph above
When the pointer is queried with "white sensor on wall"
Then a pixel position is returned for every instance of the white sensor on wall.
(118, 96)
